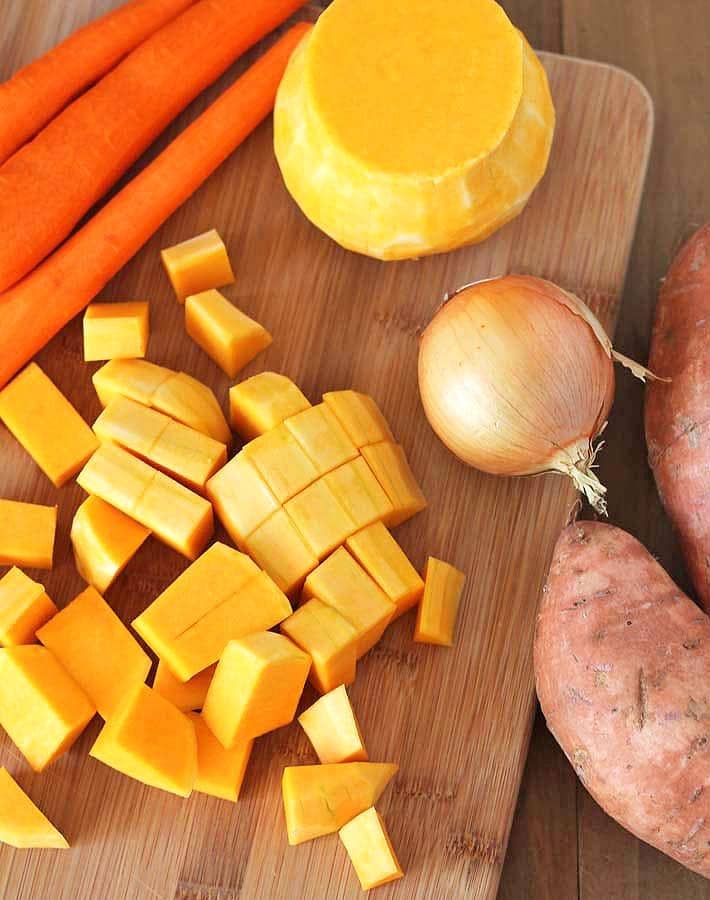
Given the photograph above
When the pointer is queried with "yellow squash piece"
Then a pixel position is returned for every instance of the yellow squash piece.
(391, 468)
(150, 740)
(116, 330)
(360, 416)
(321, 799)
(279, 548)
(320, 518)
(341, 582)
(385, 561)
(370, 850)
(186, 695)
(27, 534)
(223, 331)
(46, 424)
(241, 498)
(42, 709)
(220, 772)
(262, 402)
(322, 437)
(256, 688)
(177, 516)
(197, 264)
(400, 135)
(22, 824)
(329, 639)
(332, 728)
(281, 462)
(360, 493)
(436, 618)
(104, 541)
(24, 607)
(97, 650)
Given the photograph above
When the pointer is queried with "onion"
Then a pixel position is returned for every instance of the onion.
(517, 377)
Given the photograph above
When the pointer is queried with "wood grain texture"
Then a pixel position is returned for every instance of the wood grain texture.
(458, 722)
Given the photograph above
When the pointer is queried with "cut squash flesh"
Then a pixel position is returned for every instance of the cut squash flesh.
(220, 772)
(186, 695)
(24, 607)
(332, 728)
(370, 850)
(27, 534)
(22, 824)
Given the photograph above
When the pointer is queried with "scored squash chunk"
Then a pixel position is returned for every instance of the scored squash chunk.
(391, 468)
(22, 824)
(322, 437)
(27, 534)
(360, 493)
(116, 330)
(197, 264)
(262, 402)
(281, 462)
(360, 416)
(241, 498)
(332, 728)
(370, 850)
(320, 518)
(329, 639)
(436, 618)
(412, 127)
(186, 695)
(24, 607)
(220, 772)
(279, 548)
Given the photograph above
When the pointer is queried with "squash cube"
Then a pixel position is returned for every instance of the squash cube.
(332, 728)
(42, 709)
(186, 695)
(384, 560)
(438, 610)
(392, 470)
(281, 462)
(341, 582)
(46, 424)
(134, 378)
(197, 264)
(150, 740)
(22, 824)
(256, 688)
(97, 650)
(104, 541)
(322, 437)
(262, 402)
(360, 416)
(359, 493)
(176, 515)
(241, 498)
(220, 772)
(319, 800)
(116, 330)
(320, 519)
(330, 641)
(27, 534)
(370, 850)
(24, 607)
(281, 551)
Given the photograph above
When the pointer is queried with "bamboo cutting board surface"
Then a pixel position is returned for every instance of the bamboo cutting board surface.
(457, 721)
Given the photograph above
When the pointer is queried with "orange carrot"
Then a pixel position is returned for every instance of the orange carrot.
(48, 185)
(35, 309)
(36, 93)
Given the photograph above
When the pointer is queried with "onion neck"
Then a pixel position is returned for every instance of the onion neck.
(578, 461)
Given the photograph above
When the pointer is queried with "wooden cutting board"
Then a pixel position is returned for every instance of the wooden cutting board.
(457, 721)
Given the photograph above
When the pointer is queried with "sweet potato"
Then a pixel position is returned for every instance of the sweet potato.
(678, 412)
(622, 666)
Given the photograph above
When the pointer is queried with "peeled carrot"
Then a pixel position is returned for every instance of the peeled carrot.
(35, 309)
(51, 182)
(36, 93)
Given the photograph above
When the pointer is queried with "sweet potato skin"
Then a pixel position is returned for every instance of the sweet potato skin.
(678, 413)
(622, 667)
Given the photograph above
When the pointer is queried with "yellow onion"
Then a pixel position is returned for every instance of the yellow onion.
(517, 377)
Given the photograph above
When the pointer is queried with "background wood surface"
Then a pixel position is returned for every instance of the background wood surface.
(562, 846)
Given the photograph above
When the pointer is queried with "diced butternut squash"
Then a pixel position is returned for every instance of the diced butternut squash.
(241, 498)
(104, 541)
(321, 799)
(385, 561)
(360, 416)
(329, 639)
(360, 493)
(27, 534)
(186, 695)
(116, 330)
(322, 437)
(22, 824)
(186, 454)
(256, 688)
(332, 728)
(220, 772)
(134, 378)
(97, 650)
(279, 548)
(24, 607)
(224, 332)
(370, 850)
(150, 740)
(438, 610)
(341, 582)
(262, 402)
(197, 264)
(46, 424)
(42, 709)
(176, 515)
(281, 462)
(320, 518)
(391, 468)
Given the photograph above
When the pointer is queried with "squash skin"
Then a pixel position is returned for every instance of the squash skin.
(622, 667)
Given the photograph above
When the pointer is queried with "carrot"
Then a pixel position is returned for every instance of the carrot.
(36, 93)
(35, 309)
(51, 182)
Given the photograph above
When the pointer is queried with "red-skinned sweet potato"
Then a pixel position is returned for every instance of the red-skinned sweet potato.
(622, 665)
(678, 412)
